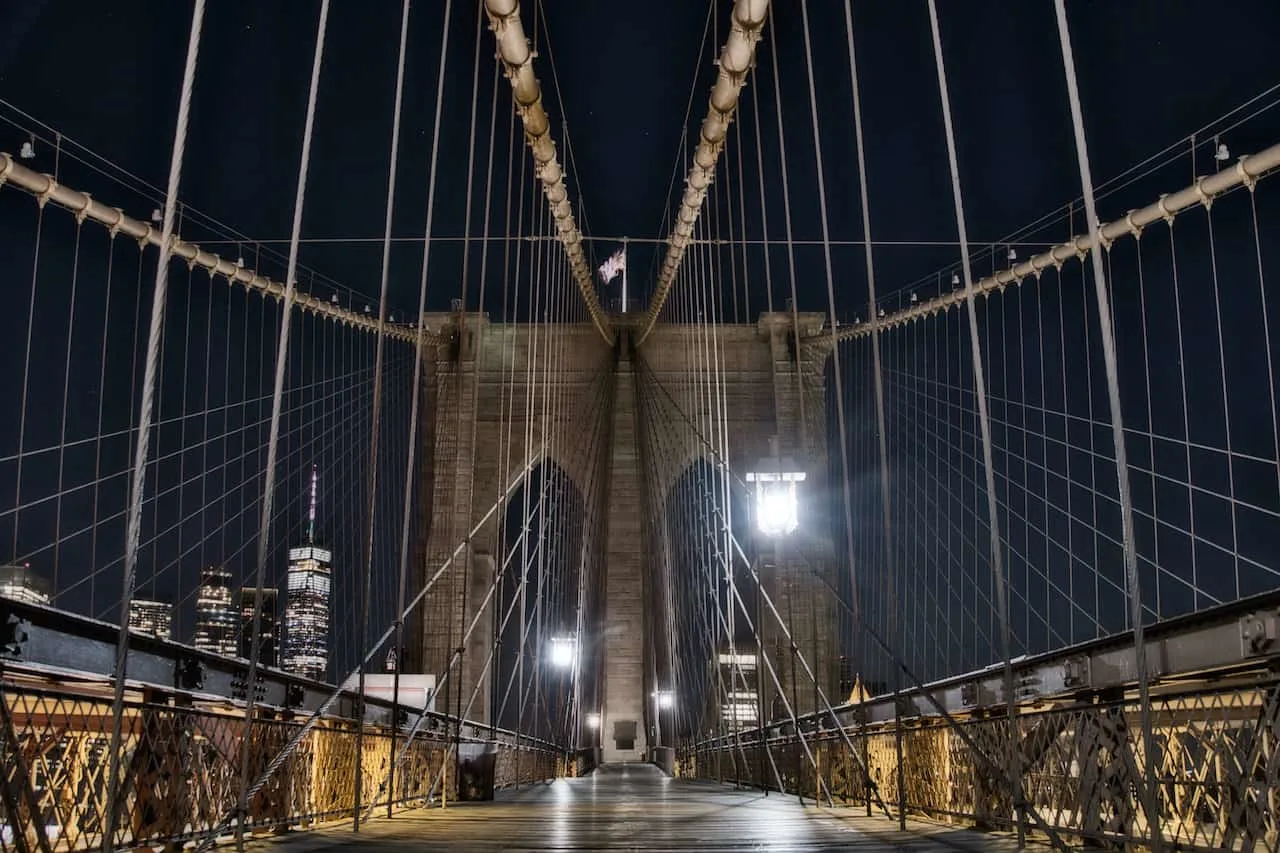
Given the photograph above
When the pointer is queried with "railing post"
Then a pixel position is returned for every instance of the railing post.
(897, 747)
(866, 757)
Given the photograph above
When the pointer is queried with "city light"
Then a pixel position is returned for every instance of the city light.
(665, 699)
(217, 622)
(777, 500)
(308, 587)
(564, 652)
(22, 584)
(306, 612)
(147, 616)
(593, 721)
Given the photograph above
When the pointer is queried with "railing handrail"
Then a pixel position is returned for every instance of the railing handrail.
(60, 642)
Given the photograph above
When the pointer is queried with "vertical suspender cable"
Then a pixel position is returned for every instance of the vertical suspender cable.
(134, 525)
(837, 373)
(790, 237)
(97, 441)
(282, 358)
(873, 316)
(465, 335)
(1146, 789)
(26, 359)
(484, 272)
(375, 417)
(421, 343)
(506, 396)
(62, 430)
(984, 422)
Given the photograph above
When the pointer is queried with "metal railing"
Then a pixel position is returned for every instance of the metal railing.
(183, 732)
(1216, 738)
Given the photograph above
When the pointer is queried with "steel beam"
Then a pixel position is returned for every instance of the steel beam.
(1210, 645)
(517, 59)
(84, 206)
(78, 653)
(736, 60)
(1246, 172)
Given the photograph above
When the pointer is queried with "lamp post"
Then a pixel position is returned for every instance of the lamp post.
(664, 702)
(564, 652)
(777, 511)
(777, 499)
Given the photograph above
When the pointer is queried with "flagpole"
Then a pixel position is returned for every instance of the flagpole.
(624, 275)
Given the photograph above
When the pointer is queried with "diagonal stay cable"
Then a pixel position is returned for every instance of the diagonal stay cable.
(992, 765)
(305, 729)
(726, 559)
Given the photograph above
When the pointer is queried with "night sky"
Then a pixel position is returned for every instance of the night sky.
(106, 76)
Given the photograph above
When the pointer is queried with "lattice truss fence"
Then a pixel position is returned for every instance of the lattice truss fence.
(1216, 763)
(183, 771)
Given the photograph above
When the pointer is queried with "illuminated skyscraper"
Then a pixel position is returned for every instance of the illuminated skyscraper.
(151, 617)
(740, 681)
(306, 609)
(217, 622)
(268, 625)
(22, 584)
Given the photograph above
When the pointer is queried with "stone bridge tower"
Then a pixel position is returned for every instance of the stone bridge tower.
(636, 413)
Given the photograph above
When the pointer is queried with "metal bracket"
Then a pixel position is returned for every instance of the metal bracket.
(1259, 633)
(13, 634)
(1075, 672)
(188, 674)
(240, 688)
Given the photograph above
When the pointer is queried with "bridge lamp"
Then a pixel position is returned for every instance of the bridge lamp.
(664, 699)
(564, 652)
(777, 501)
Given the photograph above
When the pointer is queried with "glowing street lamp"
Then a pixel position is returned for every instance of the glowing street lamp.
(664, 699)
(593, 721)
(564, 652)
(777, 497)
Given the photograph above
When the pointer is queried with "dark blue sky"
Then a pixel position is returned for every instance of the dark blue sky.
(107, 76)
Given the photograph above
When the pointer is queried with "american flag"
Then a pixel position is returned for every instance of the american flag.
(617, 263)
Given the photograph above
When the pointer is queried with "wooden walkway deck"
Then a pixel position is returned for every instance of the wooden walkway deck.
(636, 808)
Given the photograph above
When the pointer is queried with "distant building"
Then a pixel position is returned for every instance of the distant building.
(147, 616)
(740, 675)
(268, 623)
(306, 609)
(21, 583)
(217, 622)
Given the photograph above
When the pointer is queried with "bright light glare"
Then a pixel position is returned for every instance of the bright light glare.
(777, 508)
(665, 699)
(593, 721)
(564, 650)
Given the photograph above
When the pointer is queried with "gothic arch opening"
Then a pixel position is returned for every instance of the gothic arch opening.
(695, 591)
(542, 647)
